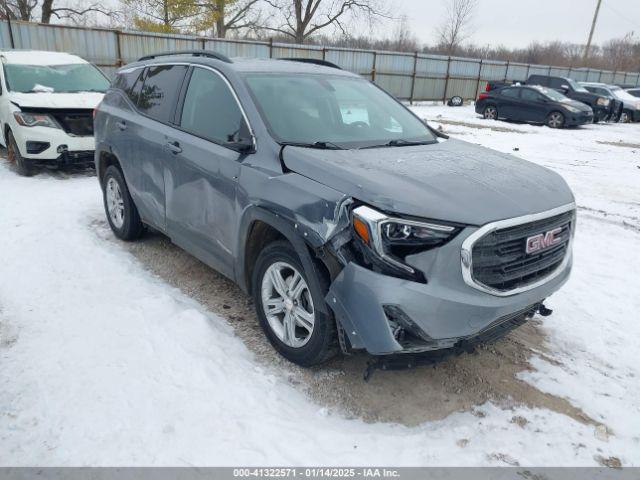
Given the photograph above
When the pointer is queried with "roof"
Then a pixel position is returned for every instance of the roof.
(246, 65)
(39, 57)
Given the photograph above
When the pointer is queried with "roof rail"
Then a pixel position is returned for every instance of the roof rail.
(195, 53)
(314, 61)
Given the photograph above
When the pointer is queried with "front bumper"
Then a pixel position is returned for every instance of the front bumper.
(601, 113)
(581, 118)
(57, 141)
(439, 314)
(82, 159)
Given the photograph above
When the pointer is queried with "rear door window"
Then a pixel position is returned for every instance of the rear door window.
(510, 92)
(159, 92)
(530, 95)
(210, 109)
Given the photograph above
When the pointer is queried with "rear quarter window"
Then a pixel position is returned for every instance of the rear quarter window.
(129, 82)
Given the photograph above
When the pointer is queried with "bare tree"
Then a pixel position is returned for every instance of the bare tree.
(299, 19)
(223, 16)
(69, 11)
(455, 27)
(18, 9)
(26, 10)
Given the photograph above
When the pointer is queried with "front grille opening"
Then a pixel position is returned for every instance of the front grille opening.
(76, 122)
(500, 260)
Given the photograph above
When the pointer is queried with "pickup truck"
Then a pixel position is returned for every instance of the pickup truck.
(603, 108)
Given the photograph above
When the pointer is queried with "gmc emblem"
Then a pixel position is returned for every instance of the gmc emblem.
(543, 240)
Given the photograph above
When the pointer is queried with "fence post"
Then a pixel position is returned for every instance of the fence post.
(506, 71)
(373, 67)
(204, 43)
(600, 76)
(11, 41)
(271, 47)
(413, 77)
(528, 71)
(549, 72)
(119, 61)
(324, 53)
(479, 78)
(446, 81)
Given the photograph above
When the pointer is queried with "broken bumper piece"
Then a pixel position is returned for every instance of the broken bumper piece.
(386, 315)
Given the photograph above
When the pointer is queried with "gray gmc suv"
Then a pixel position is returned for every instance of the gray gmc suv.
(351, 222)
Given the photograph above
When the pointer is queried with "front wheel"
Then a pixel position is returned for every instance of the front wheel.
(122, 213)
(555, 120)
(23, 165)
(290, 310)
(625, 117)
(490, 112)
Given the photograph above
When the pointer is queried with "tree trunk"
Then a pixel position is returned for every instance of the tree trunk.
(221, 27)
(47, 5)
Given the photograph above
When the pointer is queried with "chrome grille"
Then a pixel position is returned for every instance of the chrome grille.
(499, 260)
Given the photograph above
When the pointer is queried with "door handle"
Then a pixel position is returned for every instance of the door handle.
(174, 147)
(121, 125)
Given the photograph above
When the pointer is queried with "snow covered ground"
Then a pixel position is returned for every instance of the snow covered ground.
(102, 363)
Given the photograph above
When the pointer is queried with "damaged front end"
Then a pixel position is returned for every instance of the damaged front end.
(403, 293)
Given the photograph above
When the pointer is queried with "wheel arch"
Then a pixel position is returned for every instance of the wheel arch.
(258, 228)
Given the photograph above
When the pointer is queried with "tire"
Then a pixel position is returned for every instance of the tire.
(299, 345)
(626, 116)
(23, 165)
(121, 212)
(490, 112)
(555, 120)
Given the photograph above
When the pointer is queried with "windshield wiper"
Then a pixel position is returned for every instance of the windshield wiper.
(318, 145)
(399, 142)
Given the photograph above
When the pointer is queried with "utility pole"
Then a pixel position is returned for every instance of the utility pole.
(593, 27)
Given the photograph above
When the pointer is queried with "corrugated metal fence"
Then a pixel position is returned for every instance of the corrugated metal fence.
(410, 76)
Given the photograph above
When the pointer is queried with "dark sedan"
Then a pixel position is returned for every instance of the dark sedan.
(533, 104)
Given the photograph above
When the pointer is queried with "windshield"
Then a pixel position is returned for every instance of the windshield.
(623, 95)
(76, 77)
(576, 86)
(330, 110)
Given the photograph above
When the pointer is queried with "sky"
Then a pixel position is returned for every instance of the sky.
(514, 23)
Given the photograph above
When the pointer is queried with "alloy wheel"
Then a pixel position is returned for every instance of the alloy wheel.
(490, 113)
(556, 120)
(115, 203)
(287, 304)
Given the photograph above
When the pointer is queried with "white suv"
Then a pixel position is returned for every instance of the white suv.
(46, 108)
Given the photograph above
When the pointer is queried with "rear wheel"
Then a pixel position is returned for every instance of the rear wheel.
(490, 112)
(555, 120)
(122, 213)
(289, 309)
(23, 165)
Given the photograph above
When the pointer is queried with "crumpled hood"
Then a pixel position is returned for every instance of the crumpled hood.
(56, 100)
(452, 180)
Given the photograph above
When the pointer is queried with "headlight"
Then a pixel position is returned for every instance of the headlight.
(392, 239)
(603, 101)
(35, 120)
